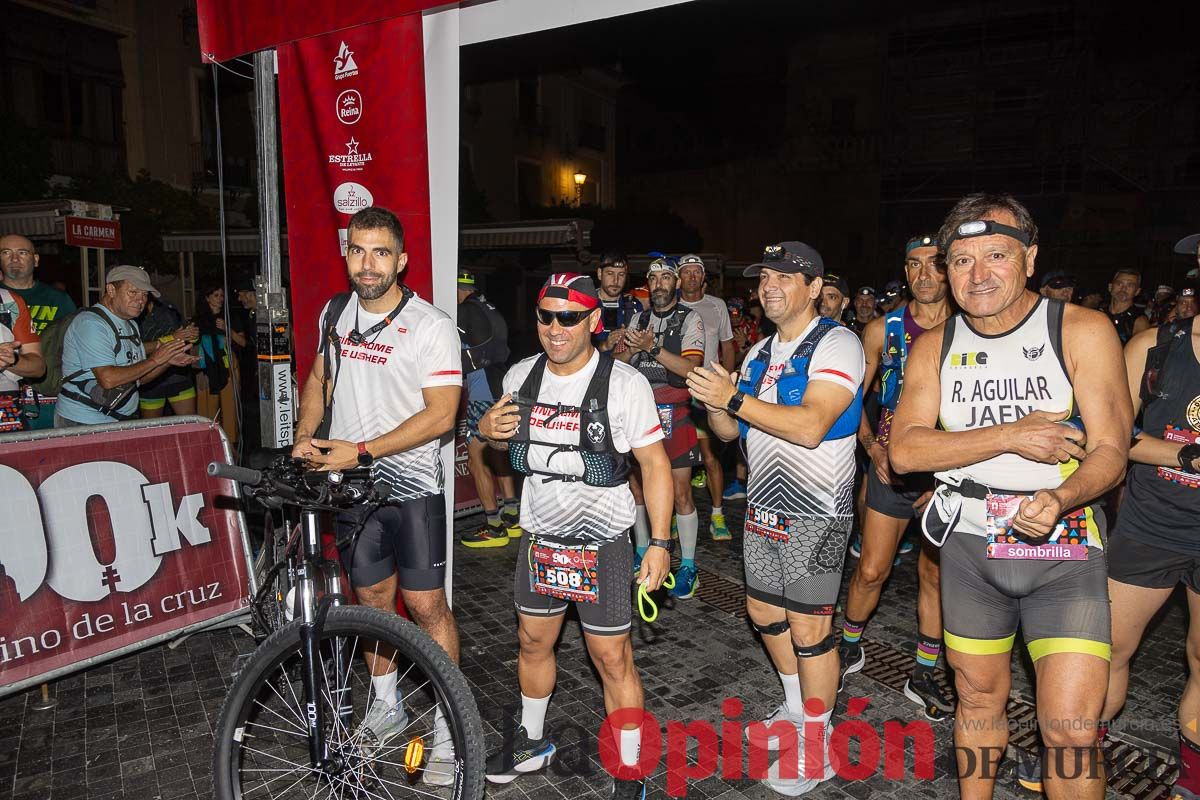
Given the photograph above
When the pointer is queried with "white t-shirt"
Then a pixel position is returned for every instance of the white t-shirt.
(378, 386)
(795, 480)
(574, 509)
(717, 325)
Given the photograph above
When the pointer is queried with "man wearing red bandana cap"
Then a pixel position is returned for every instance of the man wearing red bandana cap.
(575, 420)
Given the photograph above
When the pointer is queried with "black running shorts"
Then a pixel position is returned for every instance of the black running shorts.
(895, 501)
(1139, 564)
(407, 539)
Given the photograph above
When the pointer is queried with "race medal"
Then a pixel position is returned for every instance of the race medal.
(768, 524)
(565, 572)
(666, 418)
(1069, 542)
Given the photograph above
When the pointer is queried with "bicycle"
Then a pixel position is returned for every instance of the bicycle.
(293, 722)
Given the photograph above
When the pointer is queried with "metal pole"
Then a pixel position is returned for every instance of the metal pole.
(273, 321)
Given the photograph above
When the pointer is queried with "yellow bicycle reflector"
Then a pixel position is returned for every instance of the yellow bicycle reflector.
(414, 754)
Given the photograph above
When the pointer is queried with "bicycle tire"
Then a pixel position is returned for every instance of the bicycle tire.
(449, 687)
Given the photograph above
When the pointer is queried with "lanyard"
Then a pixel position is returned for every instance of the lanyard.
(646, 601)
(357, 338)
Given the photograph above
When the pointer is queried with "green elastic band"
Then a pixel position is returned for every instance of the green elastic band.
(644, 598)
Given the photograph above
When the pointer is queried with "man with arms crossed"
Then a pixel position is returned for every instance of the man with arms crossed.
(389, 370)
(575, 511)
(797, 404)
(986, 397)
(893, 501)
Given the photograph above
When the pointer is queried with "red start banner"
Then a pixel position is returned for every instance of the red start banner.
(352, 125)
(111, 541)
(103, 234)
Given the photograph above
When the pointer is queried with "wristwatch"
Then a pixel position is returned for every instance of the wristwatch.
(665, 544)
(1187, 454)
(654, 351)
(365, 459)
(735, 403)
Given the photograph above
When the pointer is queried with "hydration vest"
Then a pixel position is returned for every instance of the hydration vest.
(492, 351)
(603, 466)
(672, 342)
(895, 354)
(88, 390)
(793, 381)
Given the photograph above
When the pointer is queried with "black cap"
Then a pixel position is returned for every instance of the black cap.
(866, 290)
(1059, 280)
(790, 257)
(837, 282)
(1187, 245)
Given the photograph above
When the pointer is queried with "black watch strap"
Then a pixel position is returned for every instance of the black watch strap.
(735, 403)
(665, 544)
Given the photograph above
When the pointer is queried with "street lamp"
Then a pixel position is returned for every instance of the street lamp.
(580, 179)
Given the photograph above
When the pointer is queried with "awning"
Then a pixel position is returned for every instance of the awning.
(43, 219)
(238, 242)
(576, 233)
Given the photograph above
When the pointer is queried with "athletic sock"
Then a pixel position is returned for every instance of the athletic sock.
(533, 715)
(717, 511)
(630, 743)
(385, 687)
(689, 533)
(792, 696)
(513, 503)
(493, 518)
(641, 529)
(1189, 765)
(928, 650)
(852, 632)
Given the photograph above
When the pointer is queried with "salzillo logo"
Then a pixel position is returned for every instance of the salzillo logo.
(350, 197)
(1033, 353)
(343, 63)
(352, 161)
(349, 107)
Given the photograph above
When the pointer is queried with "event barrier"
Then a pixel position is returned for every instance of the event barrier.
(114, 538)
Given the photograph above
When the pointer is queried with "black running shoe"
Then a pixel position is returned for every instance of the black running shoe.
(850, 661)
(628, 790)
(518, 756)
(1029, 770)
(924, 690)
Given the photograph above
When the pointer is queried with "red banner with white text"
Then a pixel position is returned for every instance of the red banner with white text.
(352, 124)
(110, 540)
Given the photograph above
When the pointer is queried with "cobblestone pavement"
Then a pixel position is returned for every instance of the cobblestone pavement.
(141, 727)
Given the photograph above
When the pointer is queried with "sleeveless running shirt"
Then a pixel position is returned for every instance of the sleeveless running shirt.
(1162, 504)
(991, 380)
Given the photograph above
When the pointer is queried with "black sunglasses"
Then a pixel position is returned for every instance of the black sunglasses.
(566, 319)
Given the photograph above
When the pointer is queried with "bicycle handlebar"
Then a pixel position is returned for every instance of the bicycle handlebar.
(291, 481)
(242, 475)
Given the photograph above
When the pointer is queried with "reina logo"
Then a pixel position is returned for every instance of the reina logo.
(349, 107)
(352, 161)
(343, 63)
(979, 359)
(351, 197)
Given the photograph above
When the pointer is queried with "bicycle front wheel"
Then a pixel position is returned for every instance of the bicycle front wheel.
(427, 742)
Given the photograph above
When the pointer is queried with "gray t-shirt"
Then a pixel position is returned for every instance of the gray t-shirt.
(717, 326)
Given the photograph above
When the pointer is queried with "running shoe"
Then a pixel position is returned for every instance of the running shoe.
(717, 528)
(628, 790)
(488, 535)
(637, 564)
(700, 480)
(780, 714)
(1029, 771)
(510, 518)
(382, 723)
(518, 756)
(674, 527)
(686, 583)
(856, 546)
(926, 692)
(906, 546)
(439, 767)
(734, 491)
(850, 661)
(803, 782)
